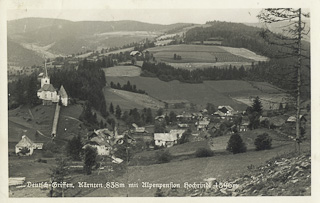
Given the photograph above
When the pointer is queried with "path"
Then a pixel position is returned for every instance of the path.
(55, 121)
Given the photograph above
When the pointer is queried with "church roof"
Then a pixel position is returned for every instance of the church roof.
(47, 87)
(62, 92)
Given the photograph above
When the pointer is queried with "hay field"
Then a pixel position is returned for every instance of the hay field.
(202, 56)
(118, 71)
(217, 92)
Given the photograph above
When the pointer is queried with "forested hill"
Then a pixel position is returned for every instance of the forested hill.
(235, 35)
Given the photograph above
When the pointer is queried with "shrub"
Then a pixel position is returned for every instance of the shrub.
(204, 152)
(24, 151)
(263, 142)
(163, 157)
(236, 144)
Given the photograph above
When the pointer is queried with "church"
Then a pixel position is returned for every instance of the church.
(48, 94)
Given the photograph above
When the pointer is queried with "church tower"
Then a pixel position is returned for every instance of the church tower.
(45, 79)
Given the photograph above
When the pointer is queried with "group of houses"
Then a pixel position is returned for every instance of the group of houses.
(106, 142)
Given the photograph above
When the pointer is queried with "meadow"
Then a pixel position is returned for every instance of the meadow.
(214, 55)
(220, 92)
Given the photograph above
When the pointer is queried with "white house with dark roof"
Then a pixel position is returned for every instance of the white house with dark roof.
(25, 142)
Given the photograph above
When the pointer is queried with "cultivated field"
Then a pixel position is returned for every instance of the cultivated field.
(217, 92)
(130, 100)
(117, 71)
(213, 55)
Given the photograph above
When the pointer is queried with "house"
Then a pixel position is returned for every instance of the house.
(160, 118)
(224, 112)
(244, 126)
(138, 129)
(184, 116)
(63, 96)
(177, 132)
(293, 119)
(202, 125)
(165, 139)
(105, 141)
(183, 125)
(25, 142)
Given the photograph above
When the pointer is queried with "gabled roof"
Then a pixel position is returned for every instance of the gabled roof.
(25, 142)
(167, 137)
(62, 92)
(47, 87)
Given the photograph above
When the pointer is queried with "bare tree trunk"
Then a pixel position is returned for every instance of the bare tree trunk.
(299, 66)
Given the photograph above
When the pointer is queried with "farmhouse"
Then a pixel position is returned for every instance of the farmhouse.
(26, 143)
(202, 125)
(138, 129)
(165, 139)
(224, 112)
(244, 126)
(168, 139)
(293, 119)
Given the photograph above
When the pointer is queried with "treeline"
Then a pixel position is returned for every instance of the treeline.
(140, 118)
(127, 87)
(168, 73)
(23, 91)
(86, 84)
(234, 35)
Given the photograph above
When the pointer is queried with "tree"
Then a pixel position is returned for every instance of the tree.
(111, 108)
(236, 144)
(257, 106)
(160, 112)
(185, 137)
(59, 174)
(90, 155)
(263, 142)
(118, 112)
(291, 38)
(74, 148)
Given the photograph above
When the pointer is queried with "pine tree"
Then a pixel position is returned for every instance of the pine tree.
(290, 40)
(90, 155)
(74, 148)
(59, 174)
(257, 106)
(111, 109)
(118, 112)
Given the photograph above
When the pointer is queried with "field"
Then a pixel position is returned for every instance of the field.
(216, 92)
(130, 100)
(117, 71)
(211, 55)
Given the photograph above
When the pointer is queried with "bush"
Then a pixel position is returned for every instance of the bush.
(163, 157)
(263, 142)
(204, 152)
(236, 144)
(24, 151)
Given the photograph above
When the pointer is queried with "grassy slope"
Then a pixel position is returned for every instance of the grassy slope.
(194, 170)
(216, 92)
(203, 54)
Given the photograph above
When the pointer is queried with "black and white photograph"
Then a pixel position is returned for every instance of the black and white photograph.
(198, 99)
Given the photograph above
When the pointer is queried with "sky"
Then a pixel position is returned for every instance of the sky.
(159, 16)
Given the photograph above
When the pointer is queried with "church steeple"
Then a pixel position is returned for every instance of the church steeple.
(45, 79)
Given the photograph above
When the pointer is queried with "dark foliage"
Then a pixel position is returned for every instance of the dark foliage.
(203, 152)
(263, 142)
(74, 148)
(163, 157)
(90, 155)
(236, 144)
